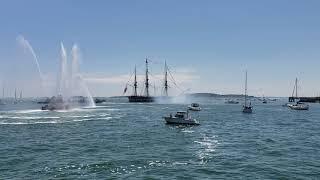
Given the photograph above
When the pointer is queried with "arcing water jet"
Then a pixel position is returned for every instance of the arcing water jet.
(27, 46)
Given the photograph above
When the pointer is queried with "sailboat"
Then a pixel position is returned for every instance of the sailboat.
(20, 98)
(264, 100)
(298, 105)
(15, 97)
(1, 101)
(246, 108)
(141, 98)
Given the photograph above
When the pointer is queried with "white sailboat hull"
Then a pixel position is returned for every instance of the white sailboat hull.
(299, 106)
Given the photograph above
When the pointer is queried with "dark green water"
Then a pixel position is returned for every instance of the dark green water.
(131, 141)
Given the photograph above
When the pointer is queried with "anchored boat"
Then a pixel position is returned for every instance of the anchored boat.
(246, 108)
(298, 105)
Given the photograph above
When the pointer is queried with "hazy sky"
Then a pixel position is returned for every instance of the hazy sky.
(208, 44)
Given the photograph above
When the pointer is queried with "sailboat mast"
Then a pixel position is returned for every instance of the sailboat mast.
(165, 79)
(296, 87)
(245, 91)
(135, 85)
(147, 78)
(20, 94)
(3, 92)
(15, 94)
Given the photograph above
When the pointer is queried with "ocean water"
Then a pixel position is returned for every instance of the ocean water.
(118, 140)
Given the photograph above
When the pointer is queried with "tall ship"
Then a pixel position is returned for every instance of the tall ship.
(146, 96)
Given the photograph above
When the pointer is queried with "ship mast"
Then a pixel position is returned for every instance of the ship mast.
(245, 92)
(135, 84)
(165, 79)
(147, 79)
(15, 94)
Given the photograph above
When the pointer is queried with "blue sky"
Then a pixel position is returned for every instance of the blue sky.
(208, 44)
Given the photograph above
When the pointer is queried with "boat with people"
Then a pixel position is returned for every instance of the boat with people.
(181, 117)
(247, 108)
(194, 107)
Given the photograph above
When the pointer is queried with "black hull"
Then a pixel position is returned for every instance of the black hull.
(141, 99)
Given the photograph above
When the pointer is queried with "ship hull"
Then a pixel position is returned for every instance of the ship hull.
(141, 99)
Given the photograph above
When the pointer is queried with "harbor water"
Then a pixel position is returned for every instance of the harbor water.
(119, 140)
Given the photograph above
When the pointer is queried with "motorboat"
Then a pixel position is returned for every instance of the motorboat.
(56, 103)
(194, 107)
(99, 100)
(299, 106)
(181, 117)
(232, 102)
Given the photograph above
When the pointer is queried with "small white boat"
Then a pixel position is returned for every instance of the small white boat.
(194, 107)
(181, 117)
(299, 106)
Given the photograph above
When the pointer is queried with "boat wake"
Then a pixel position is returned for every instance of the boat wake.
(23, 117)
(207, 148)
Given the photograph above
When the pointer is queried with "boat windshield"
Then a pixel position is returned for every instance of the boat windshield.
(195, 105)
(180, 114)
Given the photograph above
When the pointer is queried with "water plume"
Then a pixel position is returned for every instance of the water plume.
(70, 83)
(27, 46)
(63, 83)
(76, 78)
